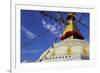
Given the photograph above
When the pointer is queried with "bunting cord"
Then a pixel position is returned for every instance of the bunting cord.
(41, 34)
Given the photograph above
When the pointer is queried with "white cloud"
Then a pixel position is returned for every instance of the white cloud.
(32, 51)
(25, 61)
(52, 28)
(43, 21)
(48, 26)
(29, 34)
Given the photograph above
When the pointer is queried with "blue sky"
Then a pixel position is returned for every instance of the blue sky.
(33, 26)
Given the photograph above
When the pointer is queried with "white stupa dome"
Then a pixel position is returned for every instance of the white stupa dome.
(68, 47)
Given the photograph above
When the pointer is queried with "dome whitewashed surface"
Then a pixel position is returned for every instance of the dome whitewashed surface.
(68, 49)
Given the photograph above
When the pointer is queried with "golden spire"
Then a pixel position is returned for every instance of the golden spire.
(71, 31)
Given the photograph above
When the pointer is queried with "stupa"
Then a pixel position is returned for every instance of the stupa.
(72, 45)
